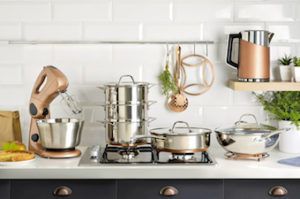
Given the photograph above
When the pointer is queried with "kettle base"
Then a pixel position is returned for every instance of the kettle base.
(253, 79)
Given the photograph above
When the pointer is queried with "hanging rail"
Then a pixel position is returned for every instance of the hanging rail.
(105, 42)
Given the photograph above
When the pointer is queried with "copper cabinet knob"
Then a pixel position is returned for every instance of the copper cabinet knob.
(62, 191)
(278, 191)
(169, 191)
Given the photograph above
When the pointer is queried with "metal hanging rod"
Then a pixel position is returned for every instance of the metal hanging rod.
(106, 42)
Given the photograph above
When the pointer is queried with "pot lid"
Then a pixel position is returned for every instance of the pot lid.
(244, 127)
(179, 131)
(131, 83)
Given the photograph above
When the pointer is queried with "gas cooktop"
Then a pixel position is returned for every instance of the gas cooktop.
(143, 155)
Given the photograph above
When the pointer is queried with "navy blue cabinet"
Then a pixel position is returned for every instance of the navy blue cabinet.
(4, 189)
(71, 189)
(177, 189)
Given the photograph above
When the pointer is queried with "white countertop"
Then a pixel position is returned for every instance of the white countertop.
(224, 169)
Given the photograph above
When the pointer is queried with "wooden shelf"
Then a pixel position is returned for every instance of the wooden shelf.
(264, 86)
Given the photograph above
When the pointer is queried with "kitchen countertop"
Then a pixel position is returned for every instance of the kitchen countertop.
(224, 169)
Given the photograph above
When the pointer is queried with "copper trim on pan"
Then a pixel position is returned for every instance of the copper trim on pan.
(254, 61)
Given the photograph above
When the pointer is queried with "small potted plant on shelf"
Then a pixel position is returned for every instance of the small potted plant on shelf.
(296, 62)
(285, 68)
(285, 108)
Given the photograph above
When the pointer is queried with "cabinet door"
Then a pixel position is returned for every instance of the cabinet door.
(266, 189)
(4, 189)
(161, 189)
(54, 189)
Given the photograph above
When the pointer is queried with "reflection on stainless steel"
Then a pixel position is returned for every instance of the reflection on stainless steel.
(131, 92)
(60, 133)
(258, 37)
(122, 132)
(181, 139)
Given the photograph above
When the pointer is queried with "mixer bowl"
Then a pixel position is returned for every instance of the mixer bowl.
(60, 133)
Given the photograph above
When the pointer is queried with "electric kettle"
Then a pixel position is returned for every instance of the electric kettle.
(253, 55)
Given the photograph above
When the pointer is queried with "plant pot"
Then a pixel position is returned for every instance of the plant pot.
(285, 73)
(297, 73)
(289, 141)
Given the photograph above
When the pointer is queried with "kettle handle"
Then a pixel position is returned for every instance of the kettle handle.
(229, 50)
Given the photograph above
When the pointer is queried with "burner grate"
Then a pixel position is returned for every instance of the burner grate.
(239, 156)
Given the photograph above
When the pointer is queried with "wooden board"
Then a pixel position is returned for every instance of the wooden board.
(264, 86)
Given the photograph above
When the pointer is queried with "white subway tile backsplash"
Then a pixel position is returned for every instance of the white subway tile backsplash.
(52, 31)
(87, 66)
(173, 31)
(219, 32)
(25, 11)
(111, 31)
(12, 96)
(82, 10)
(140, 11)
(199, 11)
(285, 32)
(10, 31)
(10, 74)
(11, 54)
(278, 51)
(265, 12)
(226, 116)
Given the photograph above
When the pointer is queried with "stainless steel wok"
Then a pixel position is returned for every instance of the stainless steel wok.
(248, 138)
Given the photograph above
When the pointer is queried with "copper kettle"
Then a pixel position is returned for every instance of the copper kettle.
(253, 55)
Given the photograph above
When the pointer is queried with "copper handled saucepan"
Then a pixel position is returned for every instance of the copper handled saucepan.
(179, 139)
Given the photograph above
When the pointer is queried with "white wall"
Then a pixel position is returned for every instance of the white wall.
(89, 65)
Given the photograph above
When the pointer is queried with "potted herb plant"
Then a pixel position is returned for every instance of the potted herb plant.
(285, 68)
(296, 62)
(285, 108)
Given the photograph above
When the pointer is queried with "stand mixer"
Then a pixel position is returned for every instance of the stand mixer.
(50, 83)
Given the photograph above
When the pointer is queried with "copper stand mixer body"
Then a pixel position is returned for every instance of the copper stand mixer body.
(47, 87)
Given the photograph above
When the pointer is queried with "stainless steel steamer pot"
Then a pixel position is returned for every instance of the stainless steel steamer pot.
(248, 138)
(180, 139)
(134, 112)
(121, 132)
(126, 92)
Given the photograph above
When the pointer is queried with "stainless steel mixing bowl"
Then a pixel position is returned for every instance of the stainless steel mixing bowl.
(60, 133)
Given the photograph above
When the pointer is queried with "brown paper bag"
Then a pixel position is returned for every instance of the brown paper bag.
(10, 127)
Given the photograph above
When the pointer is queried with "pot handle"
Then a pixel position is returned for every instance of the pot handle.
(246, 115)
(276, 132)
(181, 122)
(140, 137)
(120, 80)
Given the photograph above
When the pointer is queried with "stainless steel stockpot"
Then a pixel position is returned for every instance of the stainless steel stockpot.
(181, 139)
(126, 92)
(249, 138)
(60, 133)
(121, 132)
(134, 112)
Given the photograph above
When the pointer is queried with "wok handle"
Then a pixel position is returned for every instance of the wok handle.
(181, 122)
(120, 80)
(277, 132)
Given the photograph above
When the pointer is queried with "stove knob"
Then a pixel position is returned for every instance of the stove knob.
(94, 153)
(169, 191)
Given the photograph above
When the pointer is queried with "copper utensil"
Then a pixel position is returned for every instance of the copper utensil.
(178, 102)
